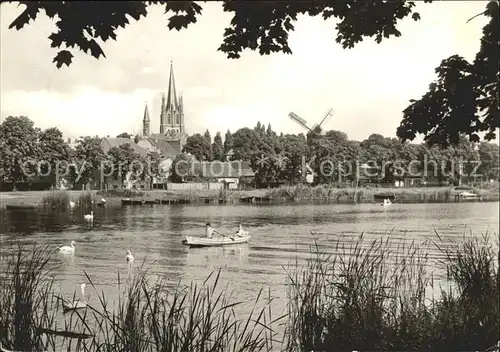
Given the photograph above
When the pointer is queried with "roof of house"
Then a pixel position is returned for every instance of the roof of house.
(163, 146)
(170, 137)
(218, 169)
(107, 143)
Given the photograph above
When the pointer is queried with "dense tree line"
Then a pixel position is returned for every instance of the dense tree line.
(27, 152)
(334, 158)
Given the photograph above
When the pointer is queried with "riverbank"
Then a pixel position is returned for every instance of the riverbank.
(366, 297)
(291, 194)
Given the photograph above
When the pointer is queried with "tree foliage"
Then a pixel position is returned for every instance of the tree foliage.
(55, 153)
(295, 151)
(199, 146)
(489, 159)
(182, 168)
(274, 158)
(256, 25)
(464, 99)
(90, 157)
(20, 148)
(218, 148)
(153, 170)
(124, 135)
(228, 142)
(209, 152)
(122, 160)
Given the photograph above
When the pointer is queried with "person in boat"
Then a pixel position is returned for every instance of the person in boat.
(240, 231)
(210, 231)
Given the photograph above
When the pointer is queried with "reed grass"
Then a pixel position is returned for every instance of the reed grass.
(60, 200)
(196, 318)
(26, 299)
(402, 194)
(373, 297)
(229, 196)
(147, 317)
(86, 200)
(56, 200)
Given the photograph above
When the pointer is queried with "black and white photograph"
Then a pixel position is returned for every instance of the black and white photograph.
(249, 175)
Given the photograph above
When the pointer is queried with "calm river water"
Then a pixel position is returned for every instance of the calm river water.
(280, 234)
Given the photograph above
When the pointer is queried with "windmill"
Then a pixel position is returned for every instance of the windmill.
(316, 128)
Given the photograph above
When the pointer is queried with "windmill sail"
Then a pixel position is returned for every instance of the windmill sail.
(316, 129)
(298, 119)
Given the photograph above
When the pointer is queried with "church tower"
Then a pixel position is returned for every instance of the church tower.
(172, 110)
(146, 122)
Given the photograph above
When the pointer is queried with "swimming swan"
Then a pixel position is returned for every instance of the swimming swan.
(90, 216)
(68, 249)
(129, 257)
(78, 304)
(72, 204)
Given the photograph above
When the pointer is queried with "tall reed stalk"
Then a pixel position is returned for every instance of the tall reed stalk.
(373, 297)
(26, 299)
(56, 200)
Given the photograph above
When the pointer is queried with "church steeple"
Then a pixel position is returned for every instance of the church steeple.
(172, 94)
(146, 114)
(172, 114)
(146, 122)
(162, 115)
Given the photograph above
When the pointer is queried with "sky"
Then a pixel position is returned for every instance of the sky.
(368, 87)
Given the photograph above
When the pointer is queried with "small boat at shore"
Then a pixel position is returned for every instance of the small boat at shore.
(20, 206)
(216, 241)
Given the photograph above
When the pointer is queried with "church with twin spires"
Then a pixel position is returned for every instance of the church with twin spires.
(172, 135)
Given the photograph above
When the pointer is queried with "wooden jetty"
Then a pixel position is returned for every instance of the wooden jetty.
(255, 200)
(20, 206)
(129, 201)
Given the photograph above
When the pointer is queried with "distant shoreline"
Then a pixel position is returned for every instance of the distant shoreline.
(276, 196)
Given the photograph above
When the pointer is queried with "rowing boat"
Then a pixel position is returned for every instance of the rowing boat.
(216, 241)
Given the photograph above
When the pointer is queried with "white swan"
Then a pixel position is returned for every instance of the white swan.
(78, 304)
(90, 216)
(386, 202)
(129, 257)
(72, 204)
(103, 200)
(68, 249)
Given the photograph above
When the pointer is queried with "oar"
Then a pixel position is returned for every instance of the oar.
(227, 236)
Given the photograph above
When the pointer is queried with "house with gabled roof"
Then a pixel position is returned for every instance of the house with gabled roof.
(102, 181)
(107, 143)
(232, 174)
